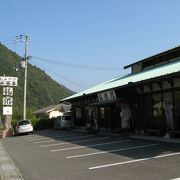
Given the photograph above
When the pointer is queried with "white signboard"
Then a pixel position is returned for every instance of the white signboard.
(7, 101)
(8, 81)
(169, 115)
(7, 91)
(125, 115)
(7, 111)
(107, 95)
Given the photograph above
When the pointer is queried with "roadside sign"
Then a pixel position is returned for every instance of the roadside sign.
(7, 101)
(7, 91)
(8, 81)
(7, 111)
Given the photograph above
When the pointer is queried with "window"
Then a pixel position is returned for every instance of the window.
(147, 106)
(78, 113)
(25, 122)
(67, 117)
(102, 113)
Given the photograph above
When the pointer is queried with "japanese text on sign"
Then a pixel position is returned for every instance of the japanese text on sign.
(7, 91)
(7, 101)
(8, 81)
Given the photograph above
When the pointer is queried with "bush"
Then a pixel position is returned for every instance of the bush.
(38, 124)
(13, 123)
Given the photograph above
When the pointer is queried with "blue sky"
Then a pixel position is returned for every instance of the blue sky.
(99, 33)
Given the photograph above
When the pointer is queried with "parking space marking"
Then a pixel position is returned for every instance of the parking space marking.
(43, 138)
(110, 151)
(81, 136)
(44, 141)
(92, 145)
(132, 161)
(43, 134)
(30, 136)
(38, 139)
(86, 140)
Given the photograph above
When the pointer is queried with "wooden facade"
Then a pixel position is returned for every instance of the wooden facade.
(151, 106)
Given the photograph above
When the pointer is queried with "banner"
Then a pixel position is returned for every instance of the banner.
(125, 117)
(169, 115)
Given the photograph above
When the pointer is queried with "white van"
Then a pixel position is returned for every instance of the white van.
(64, 122)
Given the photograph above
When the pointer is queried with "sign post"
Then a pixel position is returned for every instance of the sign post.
(8, 83)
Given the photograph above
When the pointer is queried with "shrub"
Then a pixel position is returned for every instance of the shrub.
(38, 124)
(13, 123)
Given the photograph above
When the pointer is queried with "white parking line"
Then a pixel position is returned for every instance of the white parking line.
(110, 151)
(38, 142)
(86, 140)
(38, 139)
(176, 179)
(92, 145)
(43, 134)
(132, 161)
(44, 141)
(42, 138)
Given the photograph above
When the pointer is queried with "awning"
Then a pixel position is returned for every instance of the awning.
(155, 72)
(104, 102)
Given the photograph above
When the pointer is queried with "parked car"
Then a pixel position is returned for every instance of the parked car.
(24, 127)
(64, 122)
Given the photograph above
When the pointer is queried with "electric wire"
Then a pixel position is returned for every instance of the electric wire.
(87, 67)
(61, 76)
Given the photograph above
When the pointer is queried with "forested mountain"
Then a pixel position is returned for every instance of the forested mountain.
(42, 90)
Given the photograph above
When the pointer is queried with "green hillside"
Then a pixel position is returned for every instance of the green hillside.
(42, 90)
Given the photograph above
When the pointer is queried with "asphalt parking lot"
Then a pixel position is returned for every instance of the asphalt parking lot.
(70, 155)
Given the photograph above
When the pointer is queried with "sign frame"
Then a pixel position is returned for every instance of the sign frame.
(8, 81)
(7, 110)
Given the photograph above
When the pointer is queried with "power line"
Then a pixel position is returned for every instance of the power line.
(76, 65)
(61, 76)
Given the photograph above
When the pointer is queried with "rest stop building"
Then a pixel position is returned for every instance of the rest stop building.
(147, 101)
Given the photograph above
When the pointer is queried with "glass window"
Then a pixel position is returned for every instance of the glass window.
(78, 113)
(102, 114)
(147, 106)
(24, 122)
(157, 105)
(67, 118)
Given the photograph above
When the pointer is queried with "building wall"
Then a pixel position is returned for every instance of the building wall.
(54, 114)
(148, 102)
(159, 107)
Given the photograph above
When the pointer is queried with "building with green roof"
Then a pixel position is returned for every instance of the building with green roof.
(145, 101)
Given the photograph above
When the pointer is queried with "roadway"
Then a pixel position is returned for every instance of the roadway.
(70, 155)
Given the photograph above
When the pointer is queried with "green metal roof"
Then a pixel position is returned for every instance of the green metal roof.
(158, 71)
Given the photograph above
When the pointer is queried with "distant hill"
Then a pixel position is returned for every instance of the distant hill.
(42, 90)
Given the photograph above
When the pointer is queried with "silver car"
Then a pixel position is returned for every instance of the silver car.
(64, 122)
(23, 127)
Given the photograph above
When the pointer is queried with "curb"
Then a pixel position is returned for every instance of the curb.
(8, 170)
(154, 138)
(134, 136)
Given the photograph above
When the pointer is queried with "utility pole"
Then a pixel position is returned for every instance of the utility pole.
(25, 74)
(24, 38)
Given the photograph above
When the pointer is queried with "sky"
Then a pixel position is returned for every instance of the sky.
(81, 43)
